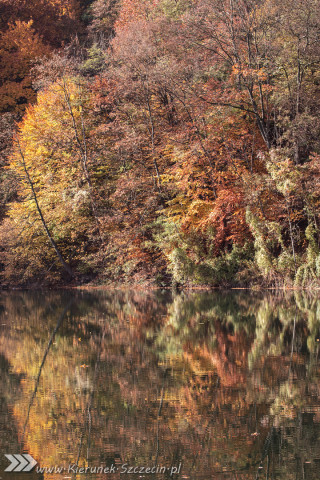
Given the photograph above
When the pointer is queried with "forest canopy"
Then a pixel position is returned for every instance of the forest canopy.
(160, 142)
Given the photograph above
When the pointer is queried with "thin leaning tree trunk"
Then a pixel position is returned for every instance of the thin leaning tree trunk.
(35, 198)
(34, 393)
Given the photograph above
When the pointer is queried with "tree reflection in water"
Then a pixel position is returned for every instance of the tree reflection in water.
(225, 383)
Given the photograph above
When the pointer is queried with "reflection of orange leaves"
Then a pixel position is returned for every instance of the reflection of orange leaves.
(229, 358)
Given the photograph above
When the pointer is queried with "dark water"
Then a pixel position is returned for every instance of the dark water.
(209, 386)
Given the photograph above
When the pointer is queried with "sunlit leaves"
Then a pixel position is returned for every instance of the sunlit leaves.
(47, 154)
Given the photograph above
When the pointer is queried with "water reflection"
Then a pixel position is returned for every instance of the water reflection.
(225, 384)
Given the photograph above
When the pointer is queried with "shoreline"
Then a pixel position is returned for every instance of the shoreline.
(152, 288)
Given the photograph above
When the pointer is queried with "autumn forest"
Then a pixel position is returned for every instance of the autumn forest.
(160, 142)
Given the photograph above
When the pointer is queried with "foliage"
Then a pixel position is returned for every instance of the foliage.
(19, 46)
(185, 148)
(54, 179)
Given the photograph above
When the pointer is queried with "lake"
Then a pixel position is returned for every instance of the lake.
(100, 384)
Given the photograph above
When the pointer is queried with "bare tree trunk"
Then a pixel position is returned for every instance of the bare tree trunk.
(82, 145)
(35, 198)
(153, 140)
(291, 235)
(197, 130)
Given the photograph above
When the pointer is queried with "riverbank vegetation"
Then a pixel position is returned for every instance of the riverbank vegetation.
(160, 142)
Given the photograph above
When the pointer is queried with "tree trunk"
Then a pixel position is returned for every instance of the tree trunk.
(34, 195)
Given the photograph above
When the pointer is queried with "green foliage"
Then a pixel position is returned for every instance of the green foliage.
(175, 8)
(188, 263)
(268, 242)
(308, 273)
(95, 61)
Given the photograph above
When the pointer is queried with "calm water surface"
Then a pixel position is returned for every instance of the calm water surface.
(198, 386)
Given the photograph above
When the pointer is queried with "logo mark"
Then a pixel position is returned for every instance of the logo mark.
(20, 463)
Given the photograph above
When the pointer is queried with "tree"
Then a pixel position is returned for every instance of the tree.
(55, 189)
(55, 21)
(20, 45)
